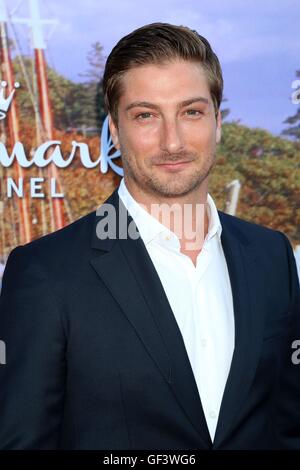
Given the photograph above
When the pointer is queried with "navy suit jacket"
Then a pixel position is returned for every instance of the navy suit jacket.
(95, 358)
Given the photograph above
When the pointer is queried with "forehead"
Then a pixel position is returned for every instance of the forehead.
(172, 81)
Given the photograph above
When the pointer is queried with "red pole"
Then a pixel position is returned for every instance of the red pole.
(13, 127)
(47, 121)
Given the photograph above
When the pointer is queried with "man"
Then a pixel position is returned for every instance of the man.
(175, 336)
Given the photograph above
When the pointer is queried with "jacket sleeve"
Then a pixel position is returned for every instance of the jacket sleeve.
(32, 379)
(288, 401)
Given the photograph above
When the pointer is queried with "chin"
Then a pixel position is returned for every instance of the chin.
(173, 188)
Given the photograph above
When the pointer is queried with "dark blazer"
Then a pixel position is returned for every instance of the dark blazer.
(95, 359)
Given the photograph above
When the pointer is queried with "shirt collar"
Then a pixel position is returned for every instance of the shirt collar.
(150, 228)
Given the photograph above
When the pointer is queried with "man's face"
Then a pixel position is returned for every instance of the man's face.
(167, 129)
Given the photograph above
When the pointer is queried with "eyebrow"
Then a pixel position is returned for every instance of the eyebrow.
(147, 104)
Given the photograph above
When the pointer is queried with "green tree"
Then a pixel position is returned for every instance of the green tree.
(94, 94)
(72, 103)
(268, 168)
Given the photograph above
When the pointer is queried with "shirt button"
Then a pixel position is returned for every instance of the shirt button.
(203, 342)
(167, 237)
(212, 414)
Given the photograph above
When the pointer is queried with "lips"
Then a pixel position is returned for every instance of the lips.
(174, 165)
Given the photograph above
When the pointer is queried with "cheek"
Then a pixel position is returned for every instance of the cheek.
(199, 134)
(142, 139)
(200, 139)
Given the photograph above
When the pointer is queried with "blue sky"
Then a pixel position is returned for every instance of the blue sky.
(258, 44)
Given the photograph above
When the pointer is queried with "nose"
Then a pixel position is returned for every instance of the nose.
(171, 136)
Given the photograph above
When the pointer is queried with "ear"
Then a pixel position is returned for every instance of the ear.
(113, 132)
(219, 127)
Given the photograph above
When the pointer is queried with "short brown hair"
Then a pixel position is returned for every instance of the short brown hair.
(159, 43)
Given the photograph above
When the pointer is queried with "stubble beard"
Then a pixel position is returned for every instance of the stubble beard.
(173, 184)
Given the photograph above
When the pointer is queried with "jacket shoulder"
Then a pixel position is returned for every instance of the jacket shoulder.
(251, 231)
(63, 243)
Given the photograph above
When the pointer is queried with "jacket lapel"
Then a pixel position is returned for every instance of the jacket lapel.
(240, 257)
(126, 269)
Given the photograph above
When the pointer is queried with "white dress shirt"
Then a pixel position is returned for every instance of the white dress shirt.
(200, 297)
